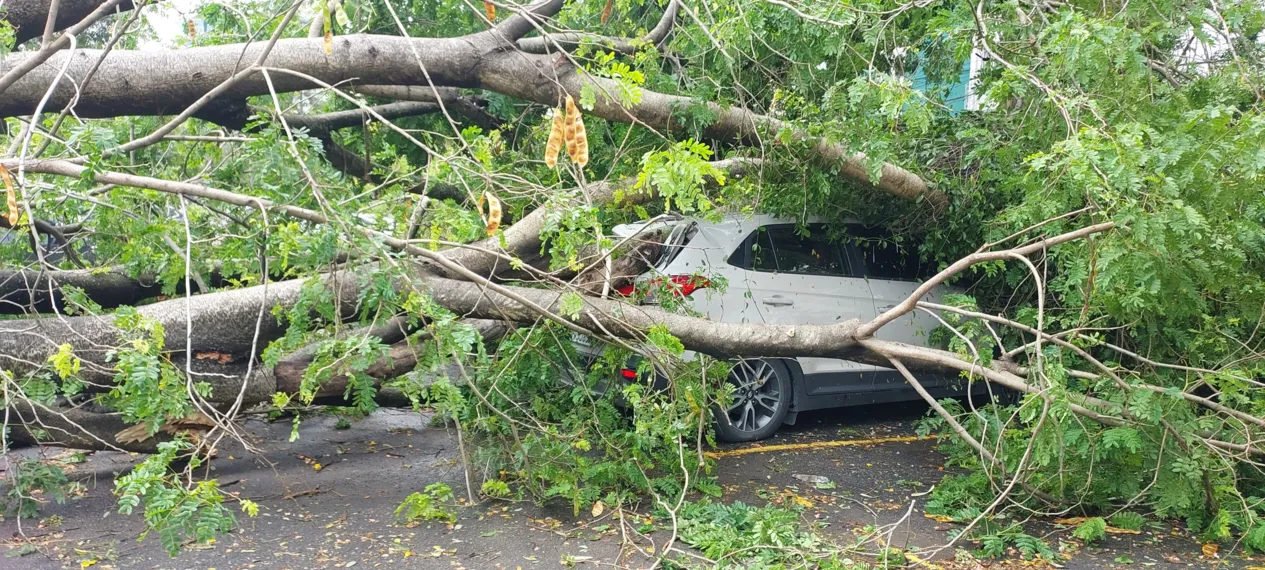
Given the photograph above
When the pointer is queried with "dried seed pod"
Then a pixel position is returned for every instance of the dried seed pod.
(192, 29)
(606, 12)
(489, 9)
(329, 42)
(577, 139)
(568, 127)
(12, 193)
(554, 146)
(493, 217)
(581, 144)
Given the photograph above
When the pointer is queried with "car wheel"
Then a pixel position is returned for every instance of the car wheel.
(760, 400)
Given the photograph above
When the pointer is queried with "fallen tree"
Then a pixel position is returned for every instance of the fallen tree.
(435, 249)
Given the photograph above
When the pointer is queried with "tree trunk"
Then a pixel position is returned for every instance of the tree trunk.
(221, 322)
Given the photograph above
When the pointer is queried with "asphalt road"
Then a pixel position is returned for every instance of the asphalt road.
(341, 516)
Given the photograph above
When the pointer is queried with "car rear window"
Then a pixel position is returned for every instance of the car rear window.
(675, 242)
(885, 258)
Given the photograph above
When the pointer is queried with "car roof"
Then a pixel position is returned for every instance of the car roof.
(728, 222)
(768, 219)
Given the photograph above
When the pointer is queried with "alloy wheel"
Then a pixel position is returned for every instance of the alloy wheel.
(756, 395)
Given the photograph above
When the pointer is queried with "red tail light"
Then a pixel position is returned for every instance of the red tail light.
(685, 285)
(628, 373)
(626, 290)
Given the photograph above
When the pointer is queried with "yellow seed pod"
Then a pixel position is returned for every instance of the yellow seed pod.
(581, 156)
(606, 12)
(493, 217)
(12, 193)
(489, 9)
(577, 139)
(554, 146)
(568, 126)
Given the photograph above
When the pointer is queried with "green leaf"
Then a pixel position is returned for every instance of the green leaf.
(570, 305)
(1092, 530)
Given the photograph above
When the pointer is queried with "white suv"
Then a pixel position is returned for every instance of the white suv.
(779, 272)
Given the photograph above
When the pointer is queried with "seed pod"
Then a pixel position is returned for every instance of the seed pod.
(192, 29)
(329, 42)
(606, 12)
(489, 9)
(14, 215)
(577, 139)
(493, 217)
(568, 127)
(554, 146)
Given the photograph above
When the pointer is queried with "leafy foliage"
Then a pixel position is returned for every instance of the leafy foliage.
(177, 511)
(1092, 530)
(742, 536)
(31, 483)
(429, 505)
(1147, 115)
(148, 389)
(1127, 520)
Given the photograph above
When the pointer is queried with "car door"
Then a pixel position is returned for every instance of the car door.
(894, 272)
(801, 277)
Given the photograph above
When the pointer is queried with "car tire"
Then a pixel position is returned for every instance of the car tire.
(761, 399)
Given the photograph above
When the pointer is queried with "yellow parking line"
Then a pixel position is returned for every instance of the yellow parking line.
(814, 445)
(916, 560)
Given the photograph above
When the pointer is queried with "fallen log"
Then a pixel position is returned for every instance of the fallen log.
(400, 359)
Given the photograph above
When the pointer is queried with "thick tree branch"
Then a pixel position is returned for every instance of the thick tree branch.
(453, 100)
(221, 322)
(15, 72)
(74, 428)
(525, 21)
(326, 122)
(400, 359)
(172, 80)
(27, 291)
(29, 17)
(523, 238)
(166, 82)
(569, 41)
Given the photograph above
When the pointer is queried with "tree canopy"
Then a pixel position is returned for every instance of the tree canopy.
(282, 204)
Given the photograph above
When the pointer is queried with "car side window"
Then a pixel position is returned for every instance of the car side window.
(884, 258)
(763, 256)
(780, 248)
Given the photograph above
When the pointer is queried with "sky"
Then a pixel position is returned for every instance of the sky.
(167, 21)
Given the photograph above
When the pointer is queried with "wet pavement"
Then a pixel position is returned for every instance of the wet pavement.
(852, 471)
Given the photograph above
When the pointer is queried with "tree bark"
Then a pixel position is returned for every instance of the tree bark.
(74, 428)
(401, 359)
(24, 291)
(166, 82)
(655, 37)
(28, 17)
(221, 322)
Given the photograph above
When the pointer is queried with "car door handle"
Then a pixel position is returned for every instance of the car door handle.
(777, 301)
(886, 309)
